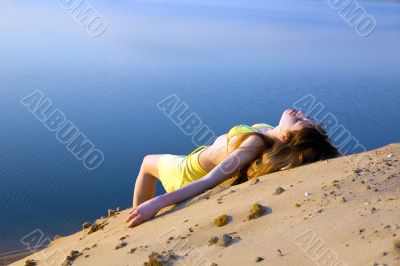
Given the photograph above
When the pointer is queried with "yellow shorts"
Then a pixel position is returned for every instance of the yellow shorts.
(176, 171)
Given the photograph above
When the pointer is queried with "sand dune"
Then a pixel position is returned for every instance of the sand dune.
(344, 211)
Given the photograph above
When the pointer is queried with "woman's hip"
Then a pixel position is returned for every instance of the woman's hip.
(176, 171)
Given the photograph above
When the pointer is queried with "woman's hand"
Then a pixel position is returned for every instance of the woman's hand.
(143, 212)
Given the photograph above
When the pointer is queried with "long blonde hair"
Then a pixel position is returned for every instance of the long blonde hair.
(306, 145)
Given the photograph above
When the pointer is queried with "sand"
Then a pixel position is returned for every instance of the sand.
(335, 212)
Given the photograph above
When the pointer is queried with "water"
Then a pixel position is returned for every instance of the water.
(230, 61)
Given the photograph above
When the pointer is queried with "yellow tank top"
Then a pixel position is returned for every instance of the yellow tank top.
(239, 129)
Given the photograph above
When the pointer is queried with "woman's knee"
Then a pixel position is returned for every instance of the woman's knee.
(150, 164)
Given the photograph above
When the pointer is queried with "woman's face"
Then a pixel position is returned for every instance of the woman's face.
(293, 119)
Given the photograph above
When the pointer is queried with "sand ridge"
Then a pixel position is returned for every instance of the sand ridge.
(335, 212)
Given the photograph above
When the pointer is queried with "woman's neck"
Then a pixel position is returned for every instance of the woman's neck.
(274, 133)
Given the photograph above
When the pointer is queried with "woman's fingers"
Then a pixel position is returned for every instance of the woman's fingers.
(135, 221)
(131, 215)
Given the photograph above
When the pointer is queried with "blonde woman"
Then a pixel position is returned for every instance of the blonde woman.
(243, 153)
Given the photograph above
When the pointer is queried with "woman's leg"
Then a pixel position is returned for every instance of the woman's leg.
(145, 185)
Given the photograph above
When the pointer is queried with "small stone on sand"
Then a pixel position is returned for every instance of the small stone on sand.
(132, 250)
(256, 211)
(396, 244)
(357, 170)
(390, 155)
(278, 190)
(110, 212)
(157, 259)
(30, 263)
(225, 241)
(97, 226)
(213, 240)
(297, 205)
(258, 259)
(307, 194)
(69, 260)
(86, 225)
(123, 238)
(221, 220)
(254, 181)
(121, 245)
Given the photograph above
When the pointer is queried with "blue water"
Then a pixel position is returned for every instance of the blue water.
(230, 61)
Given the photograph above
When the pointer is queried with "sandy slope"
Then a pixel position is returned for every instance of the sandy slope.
(350, 217)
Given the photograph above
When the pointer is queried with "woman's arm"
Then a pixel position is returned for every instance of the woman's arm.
(240, 157)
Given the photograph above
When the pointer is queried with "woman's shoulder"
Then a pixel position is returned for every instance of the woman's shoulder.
(262, 125)
(238, 129)
(246, 128)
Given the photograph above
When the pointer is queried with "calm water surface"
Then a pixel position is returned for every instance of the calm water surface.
(230, 61)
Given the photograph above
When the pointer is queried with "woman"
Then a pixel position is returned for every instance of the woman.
(244, 153)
